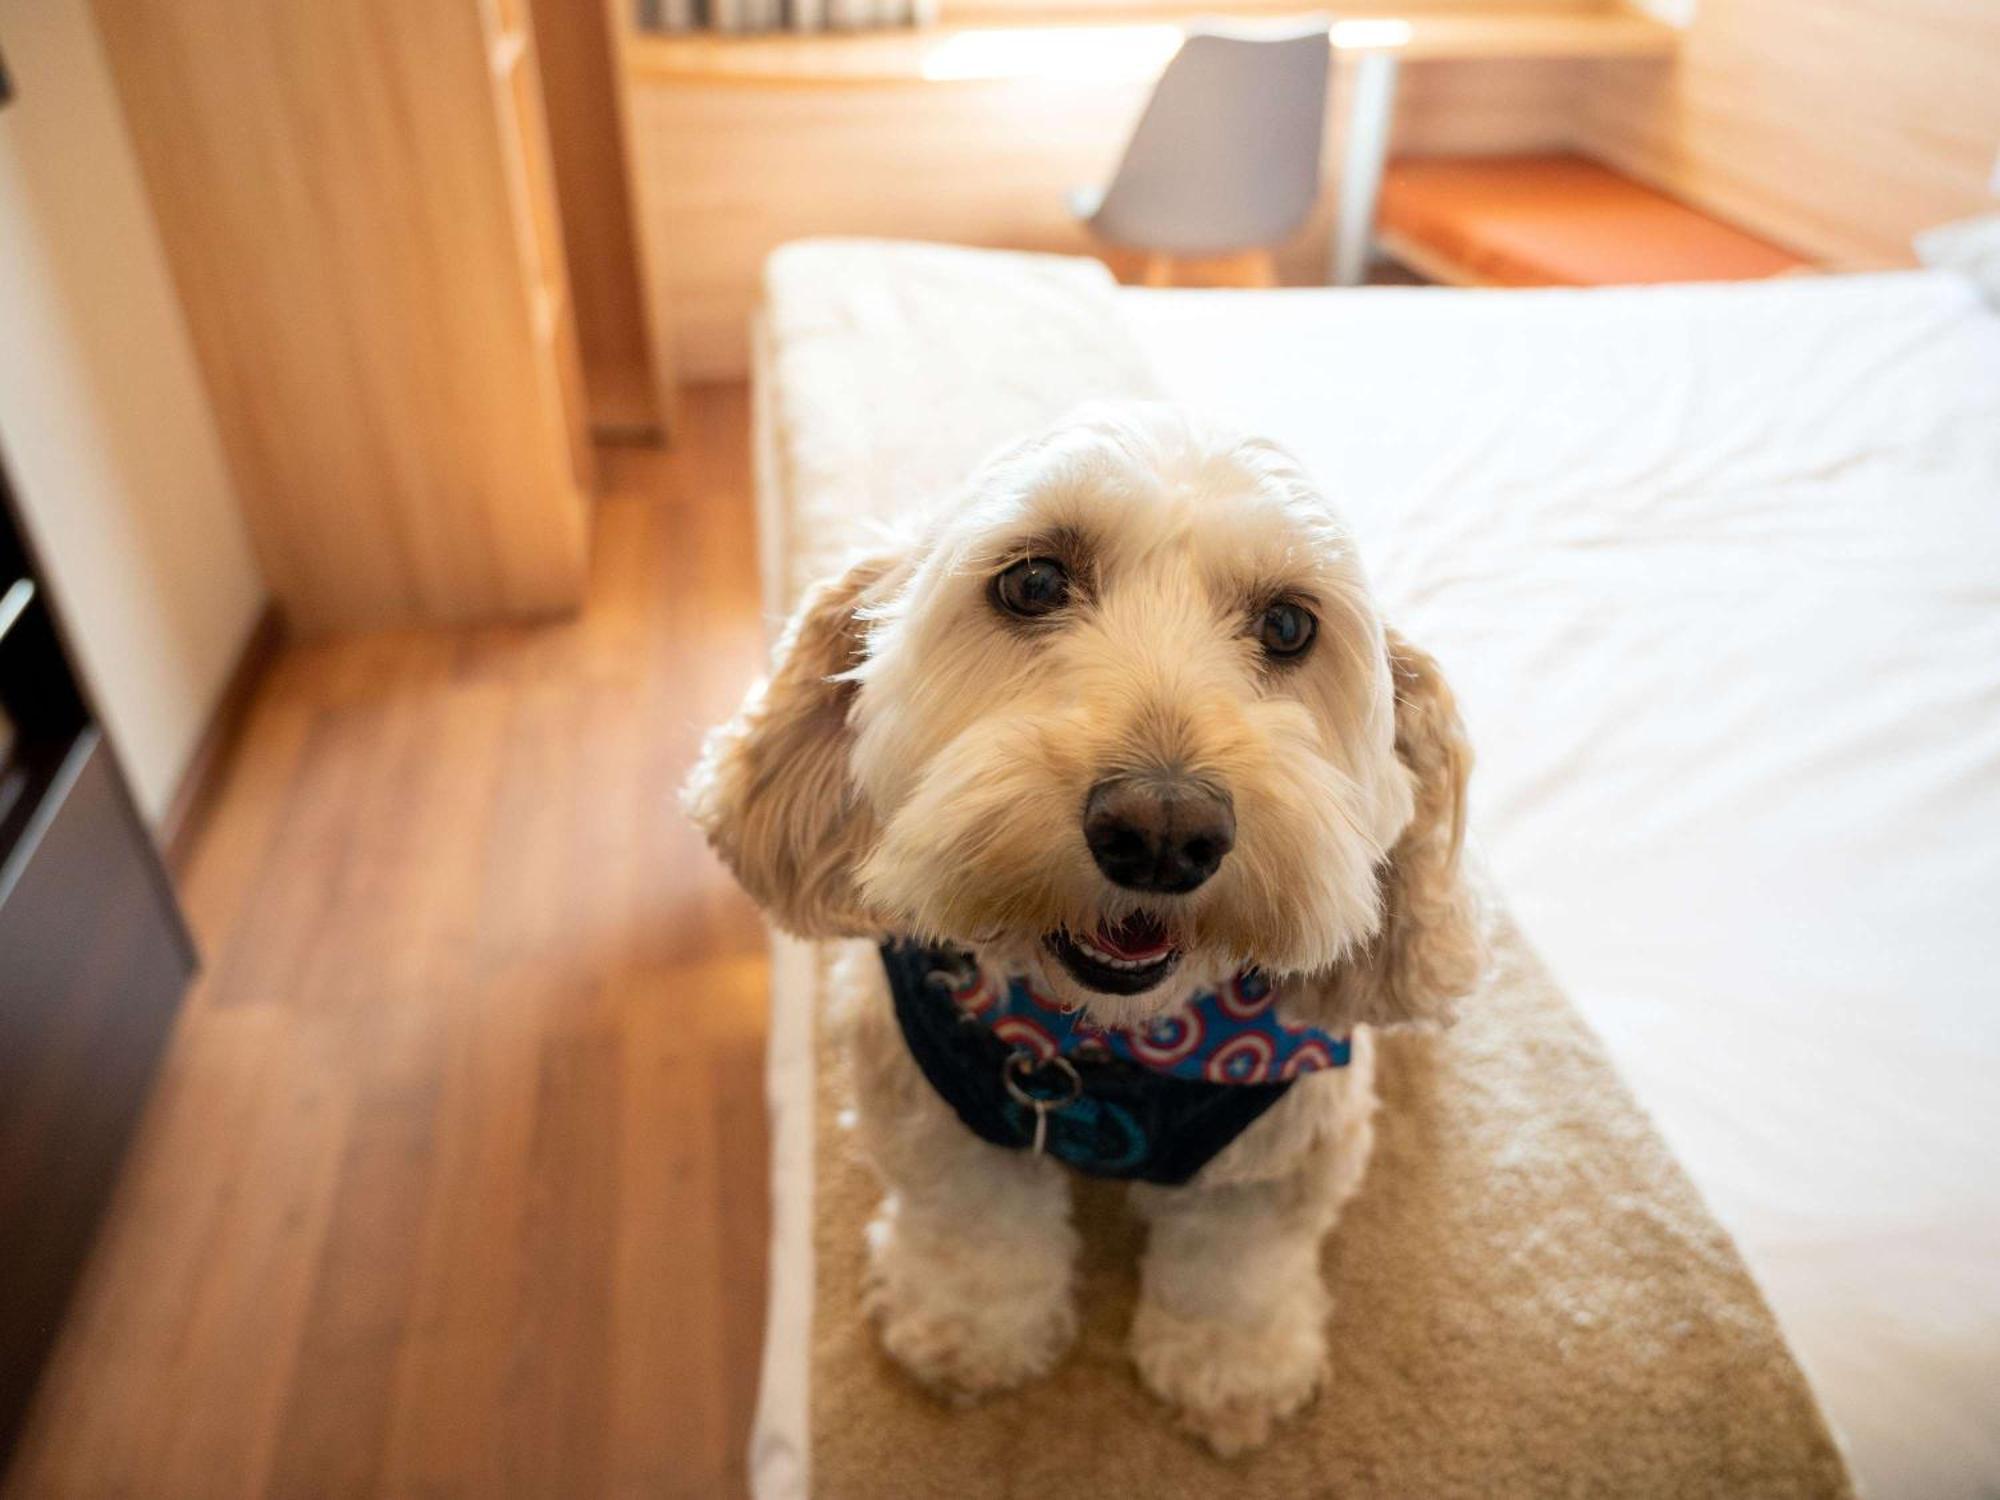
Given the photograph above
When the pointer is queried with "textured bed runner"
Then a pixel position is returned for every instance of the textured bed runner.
(1529, 1300)
(1530, 1297)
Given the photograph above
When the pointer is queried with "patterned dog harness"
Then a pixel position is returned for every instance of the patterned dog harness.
(1155, 1105)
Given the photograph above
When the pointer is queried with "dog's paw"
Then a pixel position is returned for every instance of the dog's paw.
(1230, 1387)
(961, 1330)
(967, 1352)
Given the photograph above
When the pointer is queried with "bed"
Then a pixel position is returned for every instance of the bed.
(1716, 573)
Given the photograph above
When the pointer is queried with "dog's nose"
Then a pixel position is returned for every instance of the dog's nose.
(1158, 833)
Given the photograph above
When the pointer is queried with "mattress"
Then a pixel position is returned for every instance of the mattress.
(1715, 572)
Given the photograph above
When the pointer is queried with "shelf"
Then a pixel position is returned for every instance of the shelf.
(1129, 45)
(14, 601)
(34, 778)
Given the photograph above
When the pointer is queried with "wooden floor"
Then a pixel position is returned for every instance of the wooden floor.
(454, 1180)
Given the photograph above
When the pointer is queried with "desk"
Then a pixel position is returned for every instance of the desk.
(975, 133)
(1138, 45)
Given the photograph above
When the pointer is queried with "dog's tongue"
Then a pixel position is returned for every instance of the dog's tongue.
(1136, 938)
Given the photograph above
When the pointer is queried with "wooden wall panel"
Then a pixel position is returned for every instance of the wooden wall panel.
(338, 197)
(579, 87)
(725, 173)
(1837, 127)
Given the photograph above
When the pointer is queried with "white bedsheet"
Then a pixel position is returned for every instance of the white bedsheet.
(1716, 573)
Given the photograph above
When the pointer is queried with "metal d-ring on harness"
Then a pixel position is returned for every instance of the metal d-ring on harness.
(1019, 1072)
(1120, 1116)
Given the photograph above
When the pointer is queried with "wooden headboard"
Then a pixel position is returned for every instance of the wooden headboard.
(1837, 127)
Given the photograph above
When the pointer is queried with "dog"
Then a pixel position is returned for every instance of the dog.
(1109, 750)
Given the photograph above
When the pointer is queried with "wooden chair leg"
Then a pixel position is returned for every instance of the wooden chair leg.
(1246, 268)
(1123, 264)
(1255, 268)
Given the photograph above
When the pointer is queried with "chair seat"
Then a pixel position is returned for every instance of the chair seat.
(1559, 221)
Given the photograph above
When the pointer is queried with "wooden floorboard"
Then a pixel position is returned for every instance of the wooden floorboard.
(454, 1181)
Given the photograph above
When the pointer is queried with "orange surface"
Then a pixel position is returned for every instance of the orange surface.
(1563, 221)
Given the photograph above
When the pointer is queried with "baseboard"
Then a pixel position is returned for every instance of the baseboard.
(195, 796)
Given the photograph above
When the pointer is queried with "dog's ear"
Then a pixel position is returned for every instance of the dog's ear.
(1430, 949)
(772, 789)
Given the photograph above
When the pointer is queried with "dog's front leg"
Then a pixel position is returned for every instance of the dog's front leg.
(1231, 1324)
(971, 1258)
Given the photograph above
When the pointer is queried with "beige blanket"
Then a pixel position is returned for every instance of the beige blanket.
(1531, 1299)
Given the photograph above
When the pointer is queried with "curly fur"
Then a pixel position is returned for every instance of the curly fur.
(772, 789)
(917, 763)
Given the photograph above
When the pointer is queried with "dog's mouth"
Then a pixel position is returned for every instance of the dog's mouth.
(1125, 958)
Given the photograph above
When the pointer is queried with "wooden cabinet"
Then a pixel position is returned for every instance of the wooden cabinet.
(358, 209)
(93, 959)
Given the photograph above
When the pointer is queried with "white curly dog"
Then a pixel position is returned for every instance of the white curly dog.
(1115, 737)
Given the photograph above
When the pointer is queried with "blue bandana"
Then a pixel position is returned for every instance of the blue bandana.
(1230, 1035)
(1155, 1105)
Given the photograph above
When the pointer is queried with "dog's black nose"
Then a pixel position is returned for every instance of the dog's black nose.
(1158, 833)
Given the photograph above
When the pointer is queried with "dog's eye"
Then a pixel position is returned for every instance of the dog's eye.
(1033, 587)
(1286, 631)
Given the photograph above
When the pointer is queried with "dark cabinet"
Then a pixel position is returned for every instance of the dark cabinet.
(93, 960)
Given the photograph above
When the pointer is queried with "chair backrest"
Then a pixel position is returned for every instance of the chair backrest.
(1226, 156)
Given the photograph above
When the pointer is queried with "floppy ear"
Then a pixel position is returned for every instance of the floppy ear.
(772, 790)
(1430, 949)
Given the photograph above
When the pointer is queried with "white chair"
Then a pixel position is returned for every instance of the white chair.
(1224, 163)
